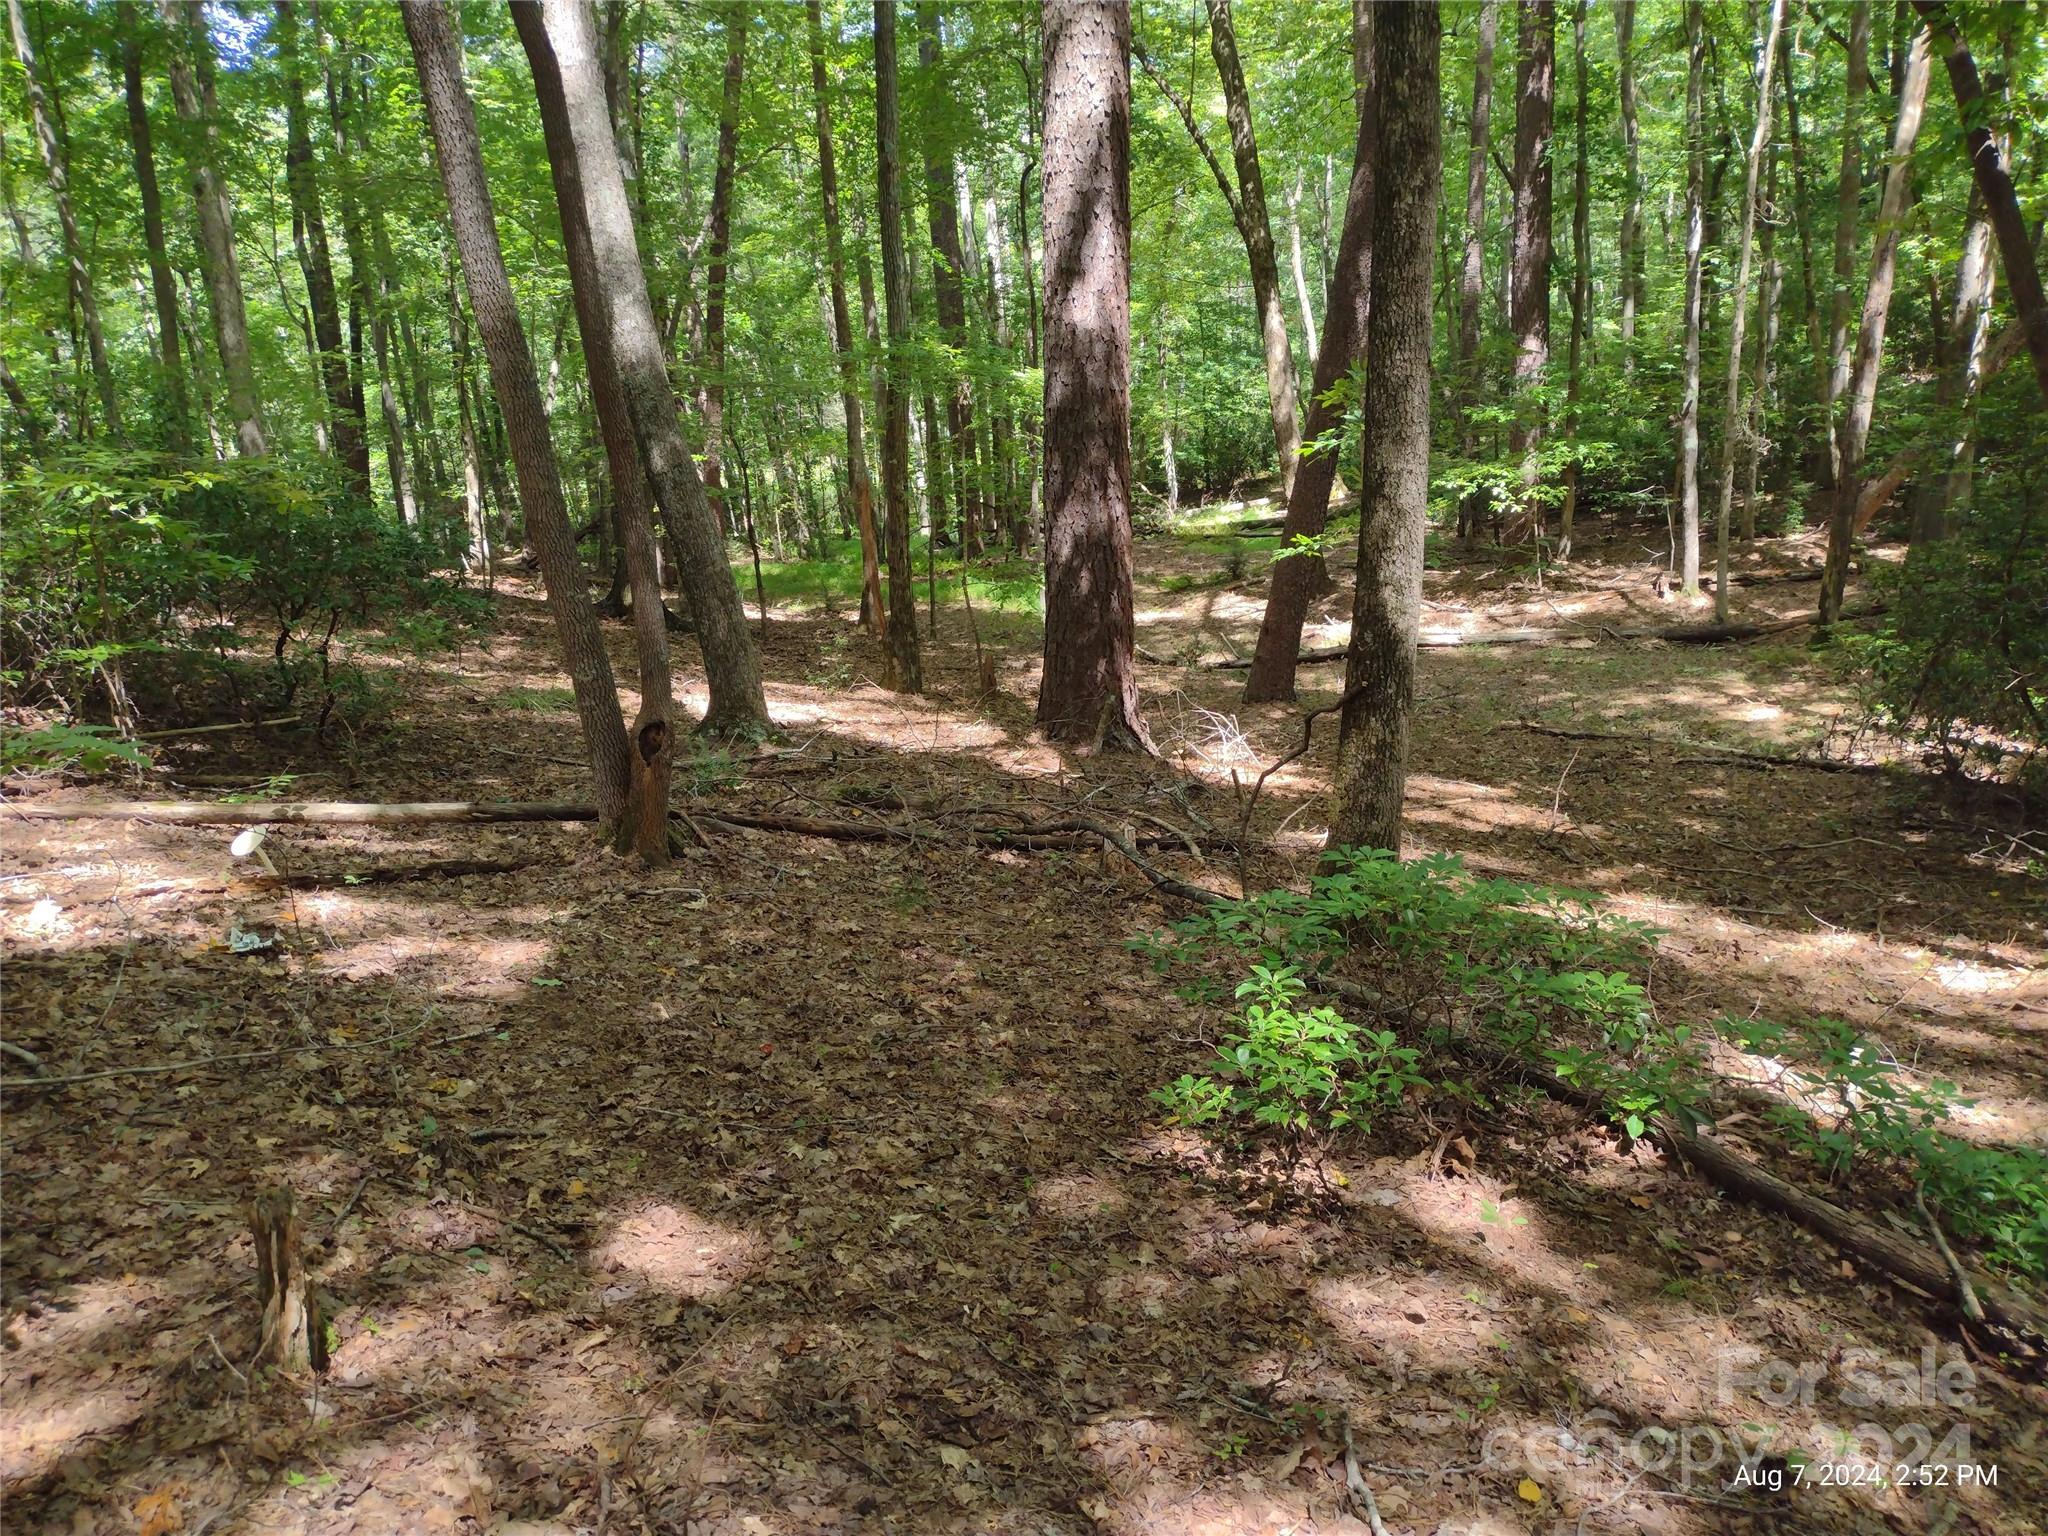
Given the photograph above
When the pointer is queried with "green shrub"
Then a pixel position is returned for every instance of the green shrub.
(56, 747)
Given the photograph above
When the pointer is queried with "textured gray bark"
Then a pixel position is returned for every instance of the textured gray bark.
(1529, 263)
(1379, 682)
(433, 31)
(1472, 274)
(60, 193)
(192, 94)
(949, 273)
(718, 258)
(1860, 396)
(906, 662)
(1088, 692)
(732, 665)
(1695, 247)
(1631, 237)
(1582, 284)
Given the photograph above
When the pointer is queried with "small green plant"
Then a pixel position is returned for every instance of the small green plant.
(536, 700)
(1292, 1076)
(59, 747)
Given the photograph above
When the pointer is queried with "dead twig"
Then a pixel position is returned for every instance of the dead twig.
(205, 1063)
(1966, 1293)
(26, 1057)
(1359, 1488)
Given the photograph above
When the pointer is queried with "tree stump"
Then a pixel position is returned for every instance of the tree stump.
(292, 1338)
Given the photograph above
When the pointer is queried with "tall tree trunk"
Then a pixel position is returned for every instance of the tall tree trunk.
(476, 559)
(949, 273)
(906, 663)
(1994, 181)
(74, 243)
(1472, 276)
(860, 485)
(1529, 268)
(192, 94)
(1582, 281)
(1257, 230)
(1695, 250)
(1308, 312)
(732, 665)
(1770, 291)
(1371, 774)
(432, 29)
(344, 405)
(1937, 500)
(1631, 238)
(163, 285)
(1861, 395)
(1345, 324)
(1088, 692)
(1732, 415)
(644, 826)
(1848, 206)
(718, 258)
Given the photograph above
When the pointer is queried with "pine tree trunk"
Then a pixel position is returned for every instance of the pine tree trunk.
(74, 243)
(1529, 268)
(1860, 397)
(1994, 181)
(860, 485)
(1732, 415)
(432, 29)
(732, 665)
(1371, 774)
(906, 664)
(1088, 692)
(1695, 249)
(1257, 229)
(163, 286)
(192, 94)
(1345, 324)
(1472, 276)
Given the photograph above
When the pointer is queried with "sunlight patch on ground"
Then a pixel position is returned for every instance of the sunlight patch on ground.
(678, 1251)
(50, 1408)
(1423, 1325)
(1078, 1197)
(470, 967)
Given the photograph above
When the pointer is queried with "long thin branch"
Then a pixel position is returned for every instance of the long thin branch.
(202, 1063)
(1187, 116)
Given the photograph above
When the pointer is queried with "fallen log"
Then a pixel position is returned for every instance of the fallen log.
(1734, 755)
(1670, 634)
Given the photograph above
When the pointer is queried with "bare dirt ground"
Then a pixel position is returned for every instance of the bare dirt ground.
(812, 1185)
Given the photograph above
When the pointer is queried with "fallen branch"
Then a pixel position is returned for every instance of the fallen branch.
(22, 1054)
(207, 730)
(262, 813)
(1654, 741)
(204, 1063)
(1356, 1485)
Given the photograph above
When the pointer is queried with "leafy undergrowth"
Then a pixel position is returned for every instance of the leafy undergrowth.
(814, 1186)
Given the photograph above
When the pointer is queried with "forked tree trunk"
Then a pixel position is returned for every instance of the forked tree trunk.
(192, 94)
(1343, 347)
(1529, 267)
(731, 663)
(1861, 395)
(436, 45)
(860, 486)
(163, 286)
(644, 827)
(1732, 416)
(1695, 250)
(1088, 692)
(74, 243)
(1379, 680)
(906, 663)
(1994, 181)
(351, 442)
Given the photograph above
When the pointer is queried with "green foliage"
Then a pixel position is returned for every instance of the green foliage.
(58, 746)
(1292, 1075)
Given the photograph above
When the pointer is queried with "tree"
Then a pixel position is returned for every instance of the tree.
(859, 485)
(1345, 317)
(1472, 272)
(60, 193)
(1732, 417)
(344, 405)
(1861, 395)
(906, 664)
(1848, 207)
(718, 272)
(1371, 775)
(1529, 262)
(949, 269)
(192, 93)
(1582, 284)
(163, 286)
(1088, 692)
(1630, 240)
(1246, 199)
(1695, 250)
(430, 26)
(732, 666)
(1994, 184)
